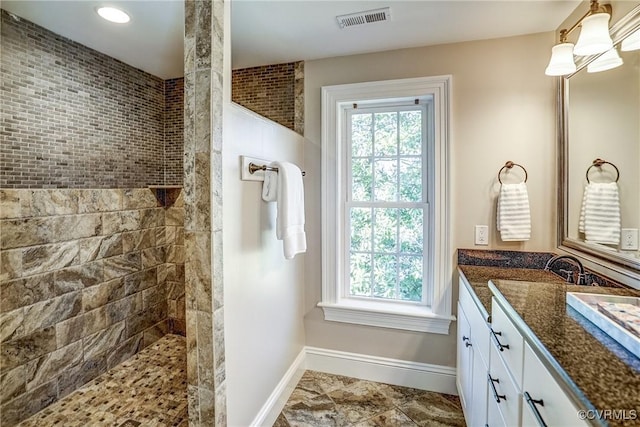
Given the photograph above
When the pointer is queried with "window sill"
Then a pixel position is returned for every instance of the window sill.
(387, 315)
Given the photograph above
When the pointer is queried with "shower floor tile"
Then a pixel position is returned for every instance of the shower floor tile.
(322, 399)
(149, 389)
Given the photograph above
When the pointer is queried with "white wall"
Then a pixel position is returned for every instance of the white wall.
(263, 292)
(503, 108)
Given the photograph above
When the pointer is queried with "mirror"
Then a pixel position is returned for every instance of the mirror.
(600, 119)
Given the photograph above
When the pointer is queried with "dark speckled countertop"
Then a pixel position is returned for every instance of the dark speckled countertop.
(479, 276)
(591, 365)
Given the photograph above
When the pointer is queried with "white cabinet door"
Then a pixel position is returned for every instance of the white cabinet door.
(549, 400)
(480, 389)
(464, 362)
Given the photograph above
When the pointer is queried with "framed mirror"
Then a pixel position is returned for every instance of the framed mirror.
(599, 147)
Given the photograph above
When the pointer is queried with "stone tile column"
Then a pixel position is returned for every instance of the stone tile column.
(204, 24)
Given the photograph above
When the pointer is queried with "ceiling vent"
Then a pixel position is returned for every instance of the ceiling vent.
(366, 17)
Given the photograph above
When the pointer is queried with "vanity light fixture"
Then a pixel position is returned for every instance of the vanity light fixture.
(113, 14)
(632, 42)
(608, 60)
(594, 38)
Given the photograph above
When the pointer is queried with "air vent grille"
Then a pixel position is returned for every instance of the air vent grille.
(366, 17)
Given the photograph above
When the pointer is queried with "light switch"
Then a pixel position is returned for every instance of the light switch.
(629, 239)
(482, 235)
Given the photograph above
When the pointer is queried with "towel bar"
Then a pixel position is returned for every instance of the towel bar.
(509, 165)
(253, 168)
(598, 163)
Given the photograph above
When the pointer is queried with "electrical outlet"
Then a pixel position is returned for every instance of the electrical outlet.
(629, 239)
(482, 235)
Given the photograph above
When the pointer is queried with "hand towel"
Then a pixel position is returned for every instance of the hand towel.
(514, 217)
(290, 204)
(600, 213)
(270, 186)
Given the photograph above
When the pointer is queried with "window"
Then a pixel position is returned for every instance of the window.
(385, 201)
(386, 210)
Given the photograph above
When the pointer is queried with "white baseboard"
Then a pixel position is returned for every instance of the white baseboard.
(441, 379)
(276, 401)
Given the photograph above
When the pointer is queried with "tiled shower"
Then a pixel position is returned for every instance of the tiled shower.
(91, 263)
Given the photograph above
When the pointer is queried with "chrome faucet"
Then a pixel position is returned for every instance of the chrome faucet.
(582, 275)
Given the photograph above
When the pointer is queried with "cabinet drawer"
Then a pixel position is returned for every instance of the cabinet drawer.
(503, 390)
(494, 417)
(507, 341)
(480, 328)
(551, 403)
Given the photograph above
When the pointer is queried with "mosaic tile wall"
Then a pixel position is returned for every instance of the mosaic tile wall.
(69, 113)
(87, 278)
(173, 131)
(273, 91)
(203, 50)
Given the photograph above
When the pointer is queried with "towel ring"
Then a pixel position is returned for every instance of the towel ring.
(510, 165)
(598, 163)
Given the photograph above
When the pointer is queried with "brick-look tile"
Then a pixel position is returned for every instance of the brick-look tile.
(46, 80)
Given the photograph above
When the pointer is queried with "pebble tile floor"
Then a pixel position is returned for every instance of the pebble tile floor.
(331, 400)
(150, 390)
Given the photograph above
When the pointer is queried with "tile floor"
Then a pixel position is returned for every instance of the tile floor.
(150, 389)
(332, 400)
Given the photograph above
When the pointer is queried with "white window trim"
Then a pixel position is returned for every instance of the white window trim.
(437, 317)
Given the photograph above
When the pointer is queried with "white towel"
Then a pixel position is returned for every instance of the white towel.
(289, 195)
(270, 186)
(514, 217)
(600, 213)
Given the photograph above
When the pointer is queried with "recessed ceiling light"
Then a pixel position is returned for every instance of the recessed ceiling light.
(114, 15)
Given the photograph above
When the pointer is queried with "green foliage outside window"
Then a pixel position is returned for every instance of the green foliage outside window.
(386, 243)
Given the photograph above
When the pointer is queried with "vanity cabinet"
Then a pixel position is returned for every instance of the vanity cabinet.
(472, 358)
(543, 401)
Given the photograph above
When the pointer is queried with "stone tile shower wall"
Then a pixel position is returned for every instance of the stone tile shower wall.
(203, 58)
(71, 115)
(91, 269)
(273, 91)
(85, 276)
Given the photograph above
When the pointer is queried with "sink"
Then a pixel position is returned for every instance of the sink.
(618, 316)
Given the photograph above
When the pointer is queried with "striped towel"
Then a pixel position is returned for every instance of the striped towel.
(600, 213)
(514, 217)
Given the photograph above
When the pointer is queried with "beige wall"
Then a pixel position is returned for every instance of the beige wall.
(503, 108)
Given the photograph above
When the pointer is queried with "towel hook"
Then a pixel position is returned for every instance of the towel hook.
(598, 163)
(510, 165)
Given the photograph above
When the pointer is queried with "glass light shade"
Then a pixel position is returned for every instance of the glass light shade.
(114, 15)
(594, 36)
(561, 62)
(608, 60)
(632, 42)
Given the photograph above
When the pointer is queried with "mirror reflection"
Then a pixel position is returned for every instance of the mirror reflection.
(603, 198)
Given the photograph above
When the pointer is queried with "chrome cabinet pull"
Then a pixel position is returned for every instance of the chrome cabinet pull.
(532, 404)
(496, 396)
(497, 342)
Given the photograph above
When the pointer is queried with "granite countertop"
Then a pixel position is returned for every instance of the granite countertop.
(592, 365)
(479, 276)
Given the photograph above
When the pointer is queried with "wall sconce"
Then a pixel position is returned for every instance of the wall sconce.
(594, 39)
(632, 42)
(608, 60)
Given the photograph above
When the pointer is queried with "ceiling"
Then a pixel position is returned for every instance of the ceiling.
(277, 31)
